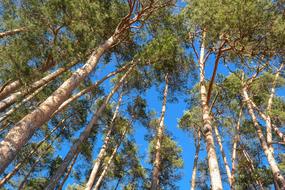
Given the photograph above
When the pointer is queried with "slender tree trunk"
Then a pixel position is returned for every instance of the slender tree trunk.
(159, 137)
(12, 32)
(270, 158)
(25, 180)
(19, 135)
(215, 176)
(100, 179)
(20, 164)
(103, 149)
(88, 89)
(228, 170)
(118, 183)
(47, 79)
(195, 165)
(85, 134)
(268, 111)
(68, 172)
(264, 117)
(234, 152)
(12, 110)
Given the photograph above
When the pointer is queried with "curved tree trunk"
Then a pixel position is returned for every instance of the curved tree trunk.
(159, 137)
(228, 170)
(100, 179)
(85, 134)
(103, 149)
(270, 158)
(234, 151)
(68, 172)
(216, 180)
(19, 135)
(196, 158)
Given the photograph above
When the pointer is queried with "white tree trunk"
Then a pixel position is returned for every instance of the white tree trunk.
(270, 158)
(19, 135)
(85, 133)
(159, 136)
(196, 158)
(216, 180)
(103, 149)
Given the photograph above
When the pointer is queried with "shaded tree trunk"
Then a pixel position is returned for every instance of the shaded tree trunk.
(228, 170)
(85, 133)
(106, 167)
(196, 158)
(103, 149)
(68, 172)
(9, 88)
(270, 158)
(215, 176)
(159, 137)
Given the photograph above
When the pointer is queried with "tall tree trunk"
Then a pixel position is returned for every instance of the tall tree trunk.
(196, 158)
(159, 137)
(234, 151)
(270, 158)
(19, 135)
(106, 167)
(228, 170)
(9, 88)
(215, 176)
(22, 93)
(103, 149)
(268, 111)
(20, 164)
(85, 134)
(68, 171)
(12, 32)
(88, 89)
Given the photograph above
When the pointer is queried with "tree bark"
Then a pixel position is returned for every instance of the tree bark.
(88, 89)
(228, 170)
(12, 32)
(47, 79)
(196, 158)
(215, 176)
(103, 149)
(9, 88)
(268, 111)
(234, 152)
(270, 158)
(68, 172)
(159, 137)
(100, 179)
(20, 164)
(18, 105)
(19, 135)
(85, 134)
